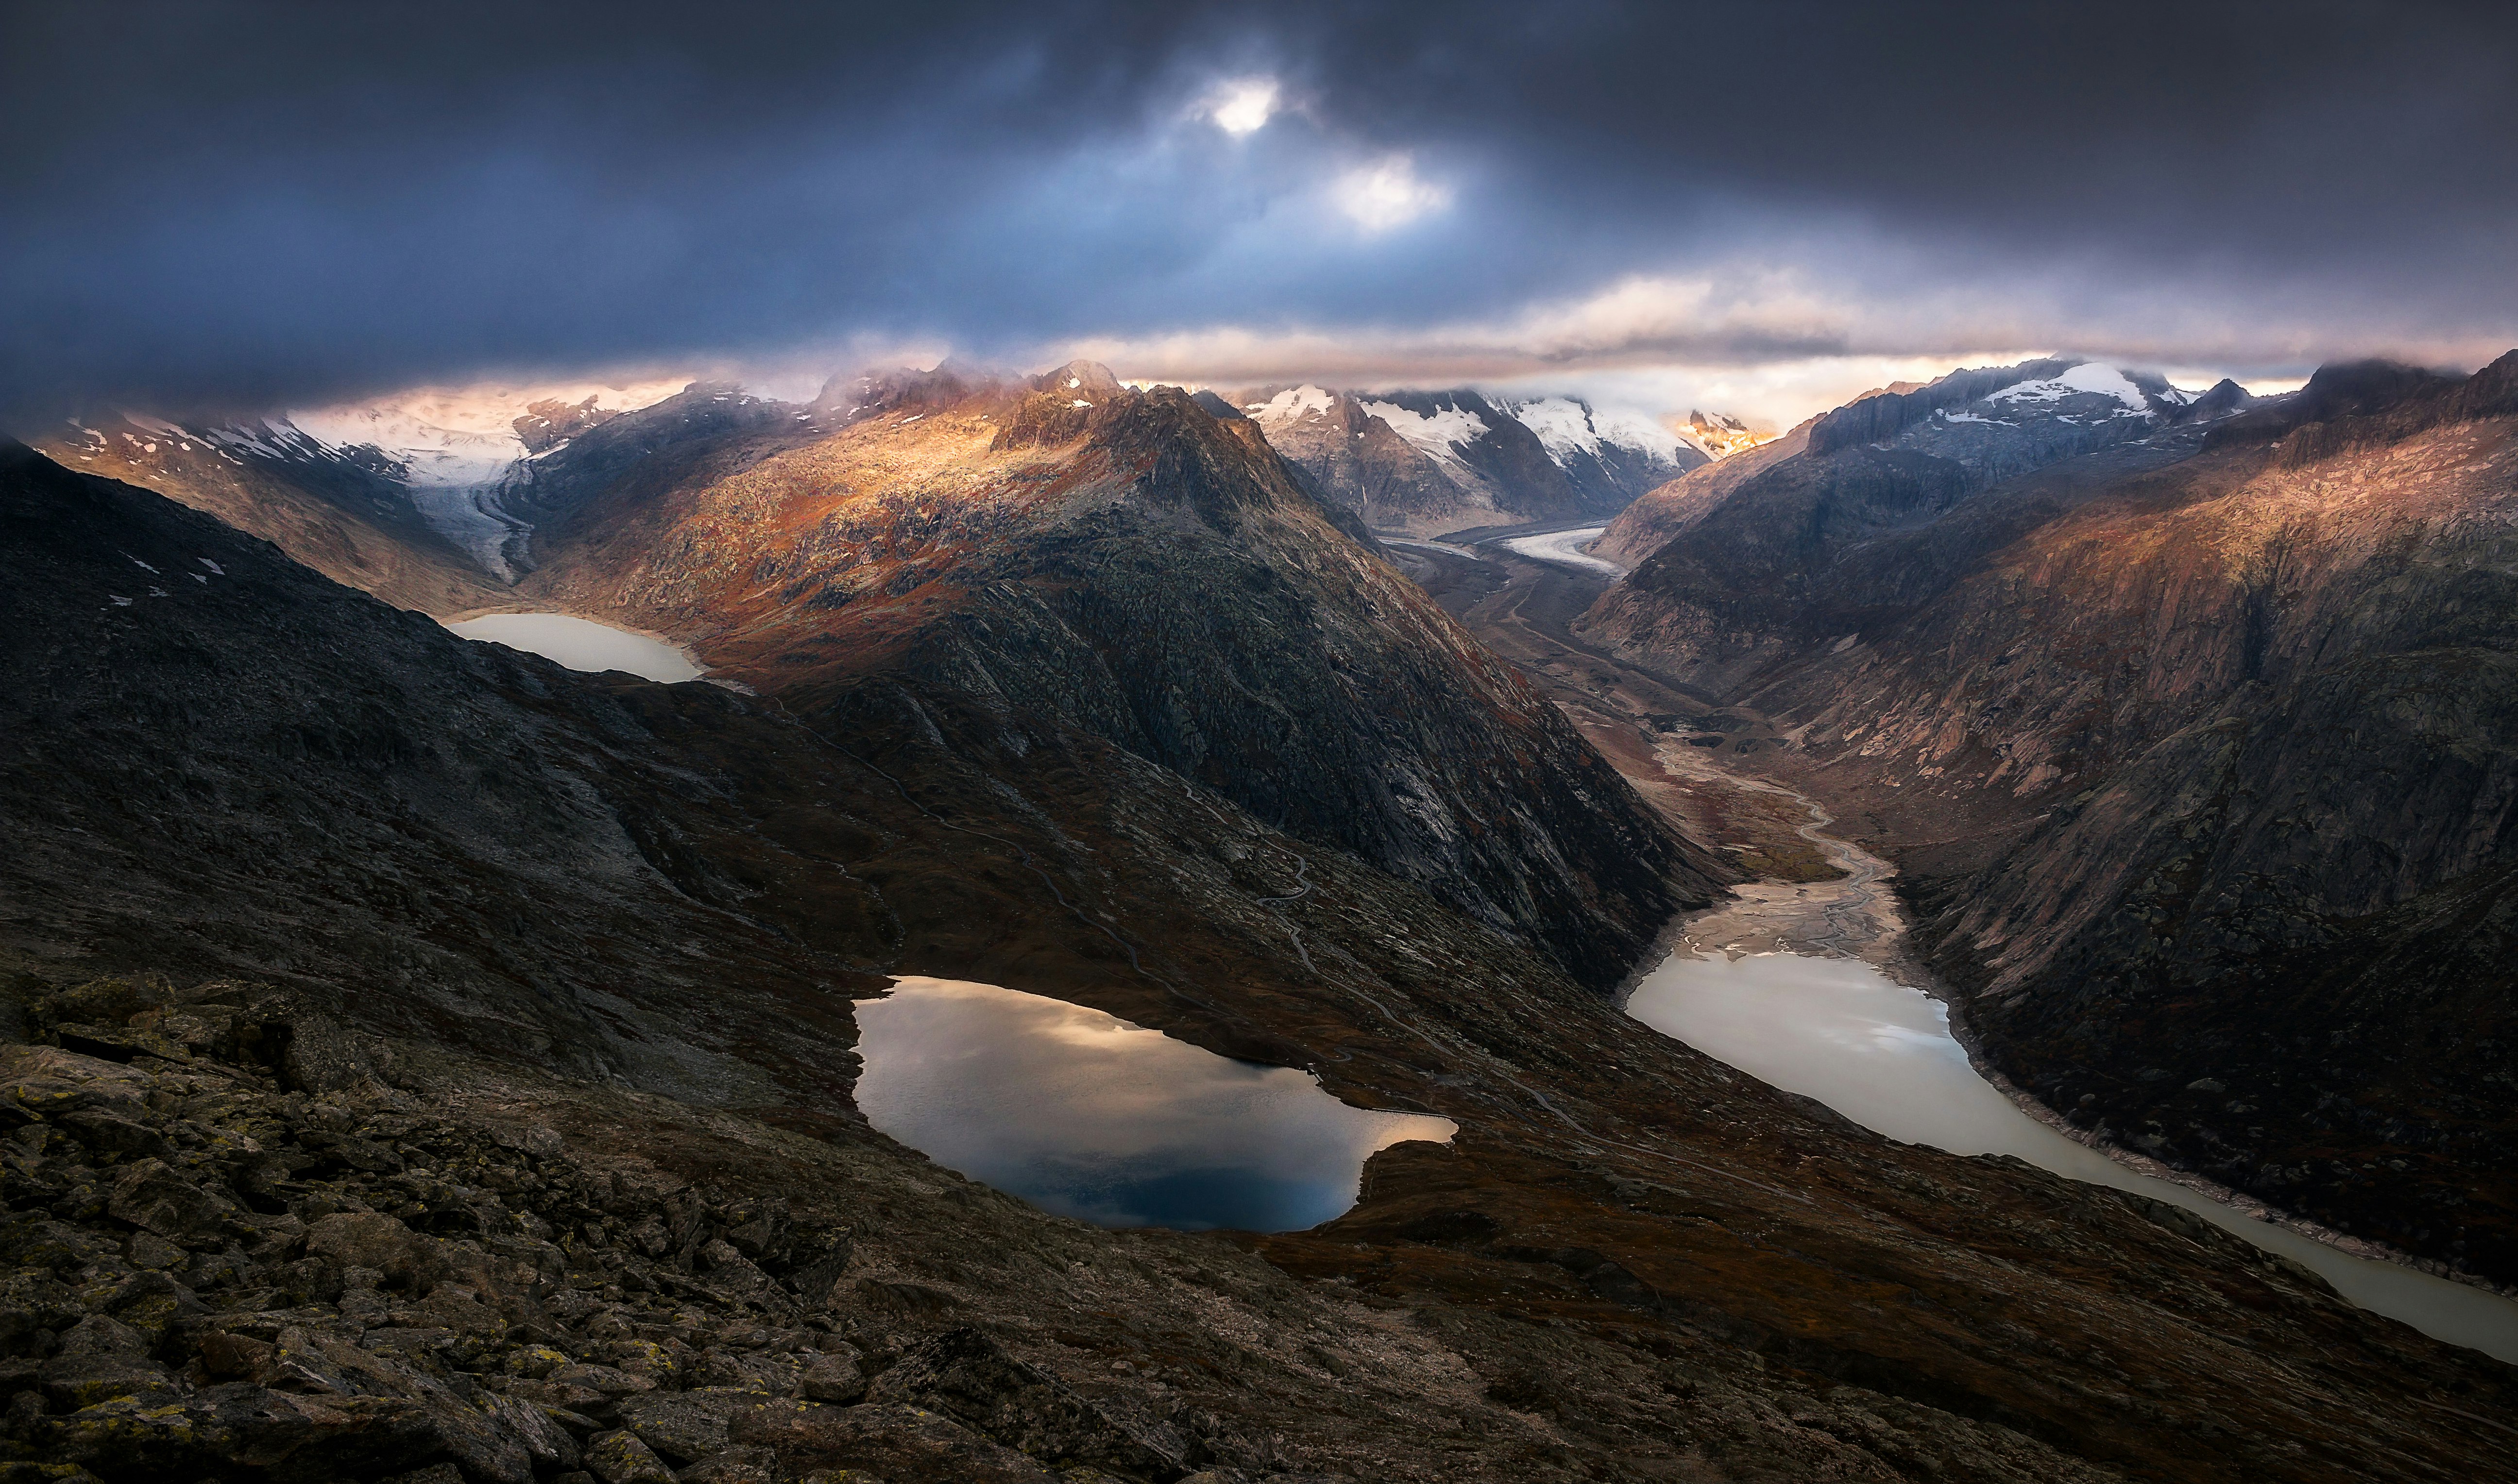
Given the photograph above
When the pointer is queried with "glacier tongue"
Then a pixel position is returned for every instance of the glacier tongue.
(456, 448)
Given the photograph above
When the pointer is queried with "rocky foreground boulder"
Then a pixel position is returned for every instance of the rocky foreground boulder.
(237, 1250)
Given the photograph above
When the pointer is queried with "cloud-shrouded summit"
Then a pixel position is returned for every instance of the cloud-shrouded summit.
(247, 204)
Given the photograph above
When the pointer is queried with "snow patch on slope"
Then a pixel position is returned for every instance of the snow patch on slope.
(2088, 378)
(1563, 425)
(1438, 435)
(1568, 425)
(1291, 405)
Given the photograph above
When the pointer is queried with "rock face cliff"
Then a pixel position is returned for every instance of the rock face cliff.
(424, 1060)
(1428, 462)
(2200, 751)
(1072, 552)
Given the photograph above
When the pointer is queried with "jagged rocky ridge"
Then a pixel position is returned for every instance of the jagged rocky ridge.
(633, 913)
(2196, 751)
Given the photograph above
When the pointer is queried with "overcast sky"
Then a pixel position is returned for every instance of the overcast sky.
(1762, 206)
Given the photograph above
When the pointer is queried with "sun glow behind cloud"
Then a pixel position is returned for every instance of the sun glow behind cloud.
(1388, 194)
(1350, 181)
(1241, 106)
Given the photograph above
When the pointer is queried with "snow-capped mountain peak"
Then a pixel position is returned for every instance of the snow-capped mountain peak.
(1719, 433)
(2089, 378)
(1291, 405)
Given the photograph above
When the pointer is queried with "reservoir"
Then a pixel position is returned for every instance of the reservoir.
(582, 644)
(1882, 1054)
(1087, 1116)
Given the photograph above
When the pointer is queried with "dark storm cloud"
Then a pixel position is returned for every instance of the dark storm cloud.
(258, 201)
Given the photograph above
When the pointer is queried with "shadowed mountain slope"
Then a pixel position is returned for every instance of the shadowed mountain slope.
(2198, 755)
(563, 965)
(1070, 552)
(342, 512)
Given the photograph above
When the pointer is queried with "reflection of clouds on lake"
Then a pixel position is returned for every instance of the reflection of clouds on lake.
(1083, 1114)
(1839, 1030)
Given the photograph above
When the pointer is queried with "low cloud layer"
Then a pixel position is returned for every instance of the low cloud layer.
(246, 204)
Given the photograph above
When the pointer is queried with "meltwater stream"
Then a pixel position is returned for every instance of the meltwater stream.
(1082, 1114)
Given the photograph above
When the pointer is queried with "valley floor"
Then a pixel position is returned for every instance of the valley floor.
(1815, 892)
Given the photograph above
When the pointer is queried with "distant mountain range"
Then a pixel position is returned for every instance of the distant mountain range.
(1427, 462)
(428, 497)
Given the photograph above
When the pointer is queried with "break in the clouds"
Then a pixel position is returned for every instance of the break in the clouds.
(249, 204)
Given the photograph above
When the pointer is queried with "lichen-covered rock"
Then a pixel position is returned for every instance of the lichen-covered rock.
(835, 1377)
(685, 1427)
(182, 1211)
(621, 1458)
(367, 1240)
(969, 1377)
(50, 1083)
(891, 1440)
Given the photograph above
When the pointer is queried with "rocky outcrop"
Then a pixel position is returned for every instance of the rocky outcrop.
(223, 1264)
(550, 422)
(2196, 751)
